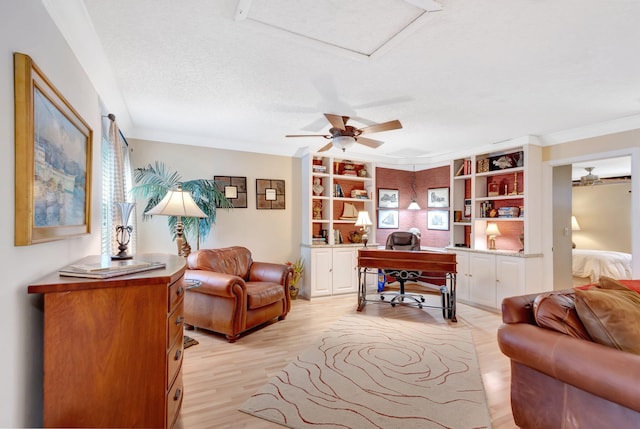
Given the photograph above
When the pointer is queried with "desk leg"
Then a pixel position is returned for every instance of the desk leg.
(452, 298)
(362, 288)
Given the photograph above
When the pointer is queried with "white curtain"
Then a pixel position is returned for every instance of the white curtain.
(116, 183)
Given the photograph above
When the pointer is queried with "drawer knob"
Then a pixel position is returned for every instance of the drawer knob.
(180, 291)
(178, 394)
(179, 320)
(178, 355)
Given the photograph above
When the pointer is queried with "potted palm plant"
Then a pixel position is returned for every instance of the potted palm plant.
(154, 181)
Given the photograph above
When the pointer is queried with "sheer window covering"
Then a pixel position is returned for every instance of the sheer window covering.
(117, 181)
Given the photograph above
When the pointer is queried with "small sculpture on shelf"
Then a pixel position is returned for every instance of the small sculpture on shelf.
(317, 187)
(123, 232)
(317, 210)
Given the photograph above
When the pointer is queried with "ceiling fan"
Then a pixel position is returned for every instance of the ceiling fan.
(342, 135)
(590, 178)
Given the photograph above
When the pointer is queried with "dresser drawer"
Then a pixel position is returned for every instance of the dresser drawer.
(176, 294)
(174, 361)
(174, 400)
(175, 323)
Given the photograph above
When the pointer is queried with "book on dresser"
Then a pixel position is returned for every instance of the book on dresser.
(107, 268)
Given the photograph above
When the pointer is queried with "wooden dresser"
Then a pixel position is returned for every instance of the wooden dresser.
(113, 348)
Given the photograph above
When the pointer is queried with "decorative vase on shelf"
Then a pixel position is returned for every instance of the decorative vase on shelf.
(123, 231)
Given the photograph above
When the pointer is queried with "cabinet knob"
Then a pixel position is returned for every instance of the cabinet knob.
(178, 394)
(179, 320)
(177, 355)
(180, 291)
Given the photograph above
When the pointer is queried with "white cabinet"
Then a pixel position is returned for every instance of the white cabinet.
(482, 279)
(331, 271)
(486, 278)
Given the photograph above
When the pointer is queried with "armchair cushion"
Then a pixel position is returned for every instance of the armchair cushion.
(264, 293)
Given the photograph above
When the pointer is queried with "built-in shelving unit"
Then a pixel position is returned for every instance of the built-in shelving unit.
(501, 187)
(334, 190)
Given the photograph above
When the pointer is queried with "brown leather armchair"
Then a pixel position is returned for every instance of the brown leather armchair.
(236, 293)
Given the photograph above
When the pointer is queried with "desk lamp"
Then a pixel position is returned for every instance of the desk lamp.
(364, 222)
(178, 203)
(492, 231)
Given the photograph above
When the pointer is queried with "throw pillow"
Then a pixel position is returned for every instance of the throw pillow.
(557, 311)
(612, 284)
(611, 317)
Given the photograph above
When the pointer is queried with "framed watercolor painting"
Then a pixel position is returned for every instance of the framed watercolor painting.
(52, 158)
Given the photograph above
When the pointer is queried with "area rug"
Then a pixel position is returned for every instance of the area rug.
(372, 372)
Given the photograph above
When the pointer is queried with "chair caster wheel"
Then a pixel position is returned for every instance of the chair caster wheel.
(393, 304)
(422, 299)
(419, 305)
(382, 298)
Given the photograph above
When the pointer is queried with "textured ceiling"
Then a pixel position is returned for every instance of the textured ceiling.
(472, 74)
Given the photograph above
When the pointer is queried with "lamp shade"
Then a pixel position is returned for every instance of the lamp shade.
(492, 229)
(363, 219)
(413, 206)
(575, 226)
(177, 203)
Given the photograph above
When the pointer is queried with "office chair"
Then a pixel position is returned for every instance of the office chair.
(402, 240)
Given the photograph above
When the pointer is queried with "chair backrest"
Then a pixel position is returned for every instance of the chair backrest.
(403, 240)
(234, 260)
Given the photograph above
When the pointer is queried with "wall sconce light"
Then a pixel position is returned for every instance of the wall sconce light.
(364, 221)
(178, 203)
(492, 232)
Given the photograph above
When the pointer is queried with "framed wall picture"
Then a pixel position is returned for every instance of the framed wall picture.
(388, 198)
(234, 188)
(438, 197)
(388, 219)
(270, 194)
(438, 219)
(52, 160)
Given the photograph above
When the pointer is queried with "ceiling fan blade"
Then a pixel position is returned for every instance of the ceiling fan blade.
(325, 147)
(336, 121)
(369, 142)
(385, 126)
(309, 135)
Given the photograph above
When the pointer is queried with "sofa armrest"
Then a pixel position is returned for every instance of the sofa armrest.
(269, 272)
(519, 309)
(600, 370)
(217, 284)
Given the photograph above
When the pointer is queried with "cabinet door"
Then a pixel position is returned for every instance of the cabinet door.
(482, 279)
(321, 272)
(462, 276)
(509, 277)
(344, 270)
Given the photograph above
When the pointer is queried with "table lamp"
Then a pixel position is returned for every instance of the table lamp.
(492, 232)
(178, 203)
(575, 226)
(364, 222)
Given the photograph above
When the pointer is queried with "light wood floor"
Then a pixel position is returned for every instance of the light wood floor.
(219, 377)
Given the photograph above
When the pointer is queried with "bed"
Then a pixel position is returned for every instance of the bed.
(589, 265)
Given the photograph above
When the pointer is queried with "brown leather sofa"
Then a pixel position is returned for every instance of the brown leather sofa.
(560, 381)
(236, 293)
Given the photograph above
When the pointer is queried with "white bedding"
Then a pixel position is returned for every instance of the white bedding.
(596, 263)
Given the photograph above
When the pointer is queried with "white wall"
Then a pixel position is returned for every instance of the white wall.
(26, 27)
(604, 215)
(271, 235)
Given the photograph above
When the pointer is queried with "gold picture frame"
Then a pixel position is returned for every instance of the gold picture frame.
(53, 149)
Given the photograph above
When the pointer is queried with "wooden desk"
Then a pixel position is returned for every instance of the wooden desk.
(434, 265)
(113, 348)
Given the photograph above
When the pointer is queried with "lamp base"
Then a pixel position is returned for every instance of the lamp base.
(121, 257)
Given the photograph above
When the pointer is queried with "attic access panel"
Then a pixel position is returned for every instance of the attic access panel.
(358, 26)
